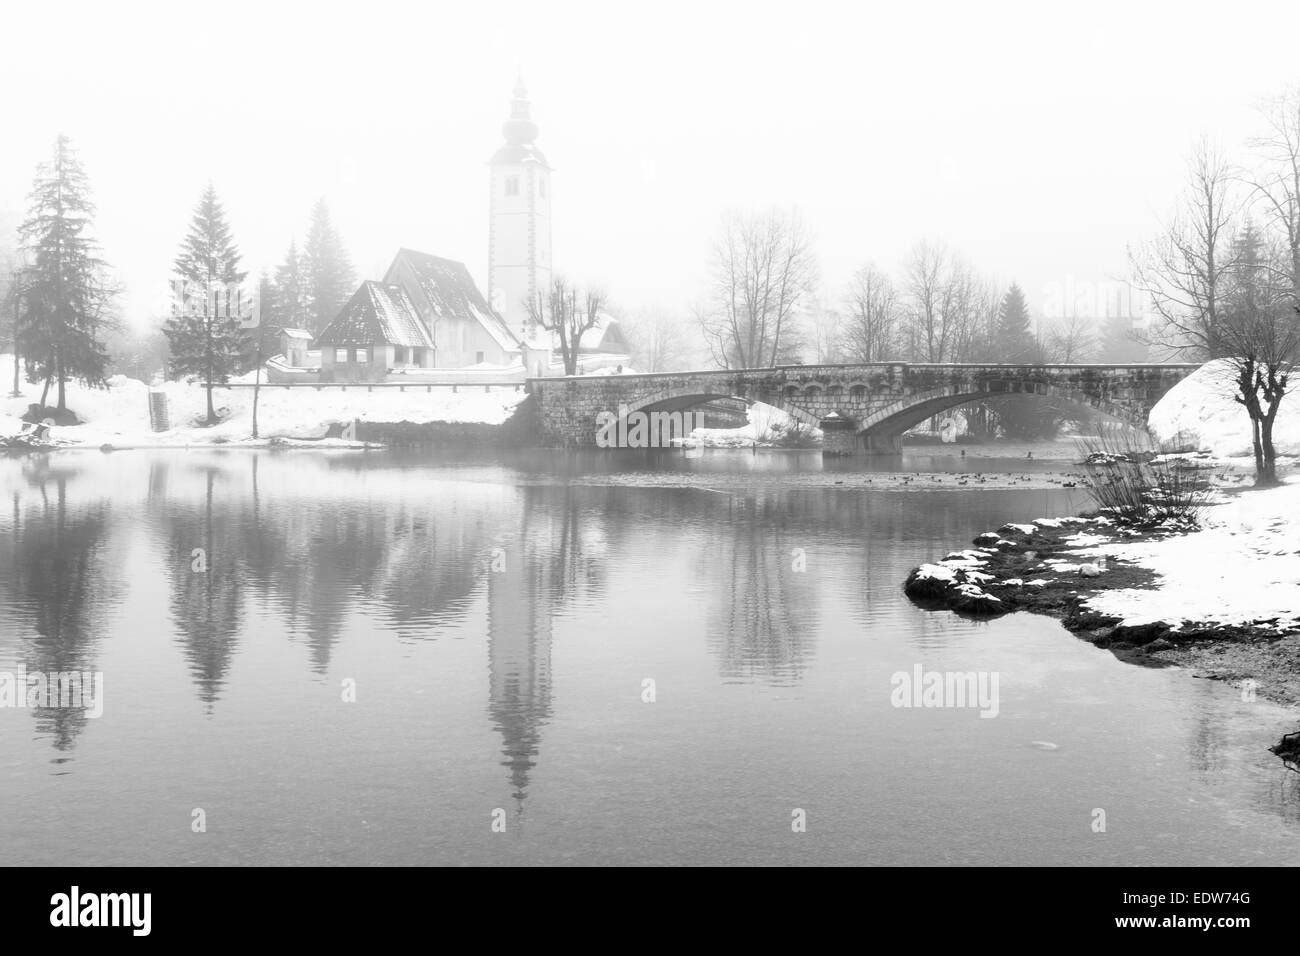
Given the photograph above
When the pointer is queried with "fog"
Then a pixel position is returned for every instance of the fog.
(1038, 143)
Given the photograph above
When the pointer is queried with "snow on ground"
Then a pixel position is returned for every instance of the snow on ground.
(766, 425)
(119, 415)
(1243, 567)
(1199, 413)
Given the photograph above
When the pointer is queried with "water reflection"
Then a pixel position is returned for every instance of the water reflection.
(309, 563)
(61, 583)
(764, 614)
(205, 561)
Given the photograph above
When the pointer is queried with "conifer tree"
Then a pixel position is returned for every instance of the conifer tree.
(1015, 334)
(204, 332)
(290, 288)
(328, 270)
(66, 296)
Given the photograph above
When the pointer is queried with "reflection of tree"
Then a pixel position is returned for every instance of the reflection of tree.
(431, 570)
(61, 584)
(765, 614)
(346, 553)
(206, 604)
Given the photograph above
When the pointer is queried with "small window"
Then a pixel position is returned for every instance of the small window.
(399, 355)
(541, 186)
(363, 356)
(512, 185)
(478, 358)
(341, 356)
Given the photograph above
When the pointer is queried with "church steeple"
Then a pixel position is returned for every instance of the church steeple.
(520, 130)
(519, 235)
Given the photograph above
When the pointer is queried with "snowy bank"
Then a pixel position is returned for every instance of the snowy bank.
(1223, 600)
(1199, 413)
(766, 426)
(1242, 568)
(119, 415)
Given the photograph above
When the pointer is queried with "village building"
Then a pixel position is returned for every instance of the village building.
(379, 331)
(427, 319)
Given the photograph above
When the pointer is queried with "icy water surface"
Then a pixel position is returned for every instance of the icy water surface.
(497, 620)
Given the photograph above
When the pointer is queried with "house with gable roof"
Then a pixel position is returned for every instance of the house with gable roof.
(428, 319)
(378, 329)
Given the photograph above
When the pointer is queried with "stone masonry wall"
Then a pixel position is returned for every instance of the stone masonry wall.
(878, 401)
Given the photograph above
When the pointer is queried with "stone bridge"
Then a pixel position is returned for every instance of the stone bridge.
(858, 407)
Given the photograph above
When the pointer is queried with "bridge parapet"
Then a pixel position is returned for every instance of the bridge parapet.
(866, 406)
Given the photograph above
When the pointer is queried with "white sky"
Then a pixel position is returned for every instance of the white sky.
(1038, 141)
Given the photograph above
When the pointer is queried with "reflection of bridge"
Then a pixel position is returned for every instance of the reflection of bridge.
(859, 407)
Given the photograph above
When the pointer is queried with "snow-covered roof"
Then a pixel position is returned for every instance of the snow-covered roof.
(377, 314)
(447, 291)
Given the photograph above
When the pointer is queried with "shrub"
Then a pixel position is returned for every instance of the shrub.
(1133, 482)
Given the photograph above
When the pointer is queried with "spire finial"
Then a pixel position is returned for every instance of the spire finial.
(520, 130)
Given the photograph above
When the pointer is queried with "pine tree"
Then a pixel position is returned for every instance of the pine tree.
(1015, 335)
(1119, 344)
(290, 288)
(204, 331)
(1020, 418)
(328, 270)
(66, 297)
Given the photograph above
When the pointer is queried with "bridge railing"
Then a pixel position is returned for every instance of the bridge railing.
(414, 386)
(852, 366)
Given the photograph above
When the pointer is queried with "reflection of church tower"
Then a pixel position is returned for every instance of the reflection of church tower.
(519, 661)
(519, 232)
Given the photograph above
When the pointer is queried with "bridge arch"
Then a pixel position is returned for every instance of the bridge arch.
(898, 416)
(674, 400)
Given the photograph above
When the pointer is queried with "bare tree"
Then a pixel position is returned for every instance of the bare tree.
(570, 314)
(1261, 338)
(659, 340)
(872, 310)
(1184, 271)
(1277, 185)
(1071, 339)
(13, 283)
(943, 300)
(824, 333)
(763, 268)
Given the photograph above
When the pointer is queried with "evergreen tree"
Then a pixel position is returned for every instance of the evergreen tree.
(290, 292)
(1014, 333)
(1119, 344)
(204, 331)
(328, 270)
(1020, 418)
(66, 296)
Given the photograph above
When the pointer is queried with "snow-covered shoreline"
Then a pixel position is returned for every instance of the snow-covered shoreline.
(1222, 599)
(300, 417)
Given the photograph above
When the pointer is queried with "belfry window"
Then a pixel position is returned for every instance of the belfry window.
(512, 185)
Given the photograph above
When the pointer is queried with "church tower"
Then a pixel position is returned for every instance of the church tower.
(519, 231)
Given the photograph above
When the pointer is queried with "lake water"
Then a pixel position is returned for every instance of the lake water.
(497, 619)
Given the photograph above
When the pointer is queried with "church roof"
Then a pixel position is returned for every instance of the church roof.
(447, 291)
(377, 313)
(520, 132)
(519, 153)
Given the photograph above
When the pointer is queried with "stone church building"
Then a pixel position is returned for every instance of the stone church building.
(427, 316)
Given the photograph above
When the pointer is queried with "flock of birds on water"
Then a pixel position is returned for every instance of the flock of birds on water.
(1067, 481)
